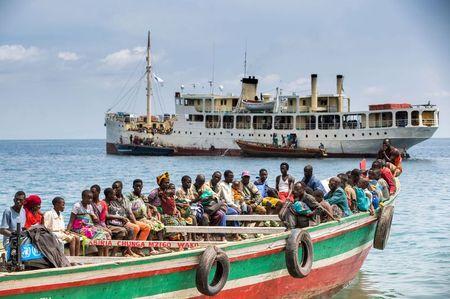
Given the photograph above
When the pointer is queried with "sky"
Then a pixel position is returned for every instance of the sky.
(63, 64)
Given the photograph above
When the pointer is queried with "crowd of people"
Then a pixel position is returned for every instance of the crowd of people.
(111, 214)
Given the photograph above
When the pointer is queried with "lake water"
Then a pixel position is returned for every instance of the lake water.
(415, 264)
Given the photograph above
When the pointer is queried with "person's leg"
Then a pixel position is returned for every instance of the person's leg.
(72, 246)
(77, 245)
(232, 211)
(144, 230)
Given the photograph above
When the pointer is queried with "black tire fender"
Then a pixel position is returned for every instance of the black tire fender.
(383, 227)
(296, 268)
(210, 257)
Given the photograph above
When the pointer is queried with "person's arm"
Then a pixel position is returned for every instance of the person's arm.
(336, 198)
(277, 182)
(47, 220)
(291, 185)
(4, 227)
(71, 220)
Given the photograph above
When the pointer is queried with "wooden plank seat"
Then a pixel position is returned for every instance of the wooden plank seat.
(253, 218)
(224, 230)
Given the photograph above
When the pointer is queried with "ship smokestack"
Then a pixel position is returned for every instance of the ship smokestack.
(249, 86)
(313, 92)
(339, 89)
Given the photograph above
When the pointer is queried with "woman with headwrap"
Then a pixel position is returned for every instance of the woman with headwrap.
(32, 206)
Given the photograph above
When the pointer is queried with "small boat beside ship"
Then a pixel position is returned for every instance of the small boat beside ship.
(255, 149)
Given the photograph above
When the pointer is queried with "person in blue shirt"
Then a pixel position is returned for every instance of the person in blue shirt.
(310, 181)
(337, 197)
(12, 216)
(261, 182)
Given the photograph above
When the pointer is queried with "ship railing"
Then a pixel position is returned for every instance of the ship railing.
(228, 125)
(283, 126)
(401, 123)
(329, 126)
(380, 124)
(306, 126)
(262, 126)
(428, 122)
(243, 125)
(212, 125)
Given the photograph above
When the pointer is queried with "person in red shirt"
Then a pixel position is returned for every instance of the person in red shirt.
(386, 174)
(32, 206)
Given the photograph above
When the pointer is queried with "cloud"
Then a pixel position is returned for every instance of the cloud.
(68, 56)
(298, 84)
(373, 91)
(18, 53)
(439, 94)
(125, 57)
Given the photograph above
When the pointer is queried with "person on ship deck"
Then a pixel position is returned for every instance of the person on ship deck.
(284, 183)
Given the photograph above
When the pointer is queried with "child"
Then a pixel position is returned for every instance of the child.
(54, 222)
(239, 197)
(327, 210)
(363, 196)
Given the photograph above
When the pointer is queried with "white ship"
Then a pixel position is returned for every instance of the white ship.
(209, 124)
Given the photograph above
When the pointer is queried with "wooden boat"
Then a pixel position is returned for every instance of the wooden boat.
(143, 150)
(255, 149)
(258, 268)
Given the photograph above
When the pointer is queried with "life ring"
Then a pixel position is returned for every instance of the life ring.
(383, 227)
(296, 268)
(210, 257)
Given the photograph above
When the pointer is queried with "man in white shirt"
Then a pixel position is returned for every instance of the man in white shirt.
(54, 222)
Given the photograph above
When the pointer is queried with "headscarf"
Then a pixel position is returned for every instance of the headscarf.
(161, 177)
(32, 219)
(32, 201)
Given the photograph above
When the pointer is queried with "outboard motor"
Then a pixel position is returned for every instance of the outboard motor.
(14, 261)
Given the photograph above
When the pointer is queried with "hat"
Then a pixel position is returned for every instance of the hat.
(245, 173)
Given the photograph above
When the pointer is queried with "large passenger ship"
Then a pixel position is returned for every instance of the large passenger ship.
(210, 124)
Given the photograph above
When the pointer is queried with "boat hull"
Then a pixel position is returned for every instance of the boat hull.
(137, 150)
(258, 270)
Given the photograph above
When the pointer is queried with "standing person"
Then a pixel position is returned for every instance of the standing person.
(82, 221)
(391, 156)
(310, 180)
(214, 182)
(275, 139)
(261, 182)
(337, 198)
(32, 206)
(12, 216)
(54, 222)
(284, 183)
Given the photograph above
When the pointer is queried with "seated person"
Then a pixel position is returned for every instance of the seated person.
(183, 198)
(326, 212)
(310, 180)
(363, 196)
(54, 222)
(386, 174)
(337, 198)
(32, 206)
(271, 203)
(299, 214)
(170, 214)
(349, 191)
(379, 183)
(252, 195)
(392, 157)
(12, 216)
(239, 198)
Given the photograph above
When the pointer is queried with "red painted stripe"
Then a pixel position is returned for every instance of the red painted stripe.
(317, 282)
(114, 278)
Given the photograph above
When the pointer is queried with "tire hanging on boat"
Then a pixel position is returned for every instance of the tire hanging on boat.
(383, 227)
(210, 257)
(296, 268)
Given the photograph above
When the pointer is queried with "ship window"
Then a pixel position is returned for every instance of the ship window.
(401, 119)
(415, 118)
(262, 122)
(335, 135)
(329, 122)
(195, 117)
(306, 135)
(284, 122)
(346, 135)
(370, 134)
(317, 135)
(228, 121)
(428, 118)
(380, 120)
(189, 102)
(212, 121)
(305, 122)
(243, 122)
(354, 121)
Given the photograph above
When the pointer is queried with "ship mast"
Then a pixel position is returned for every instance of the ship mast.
(149, 83)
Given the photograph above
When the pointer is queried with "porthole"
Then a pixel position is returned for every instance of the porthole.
(259, 135)
(326, 136)
(306, 135)
(190, 133)
(385, 133)
(209, 133)
(264, 135)
(346, 135)
(231, 134)
(370, 134)
(378, 133)
(214, 134)
(362, 134)
(353, 134)
(185, 132)
(249, 135)
(200, 133)
(335, 135)
(220, 133)
(317, 136)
